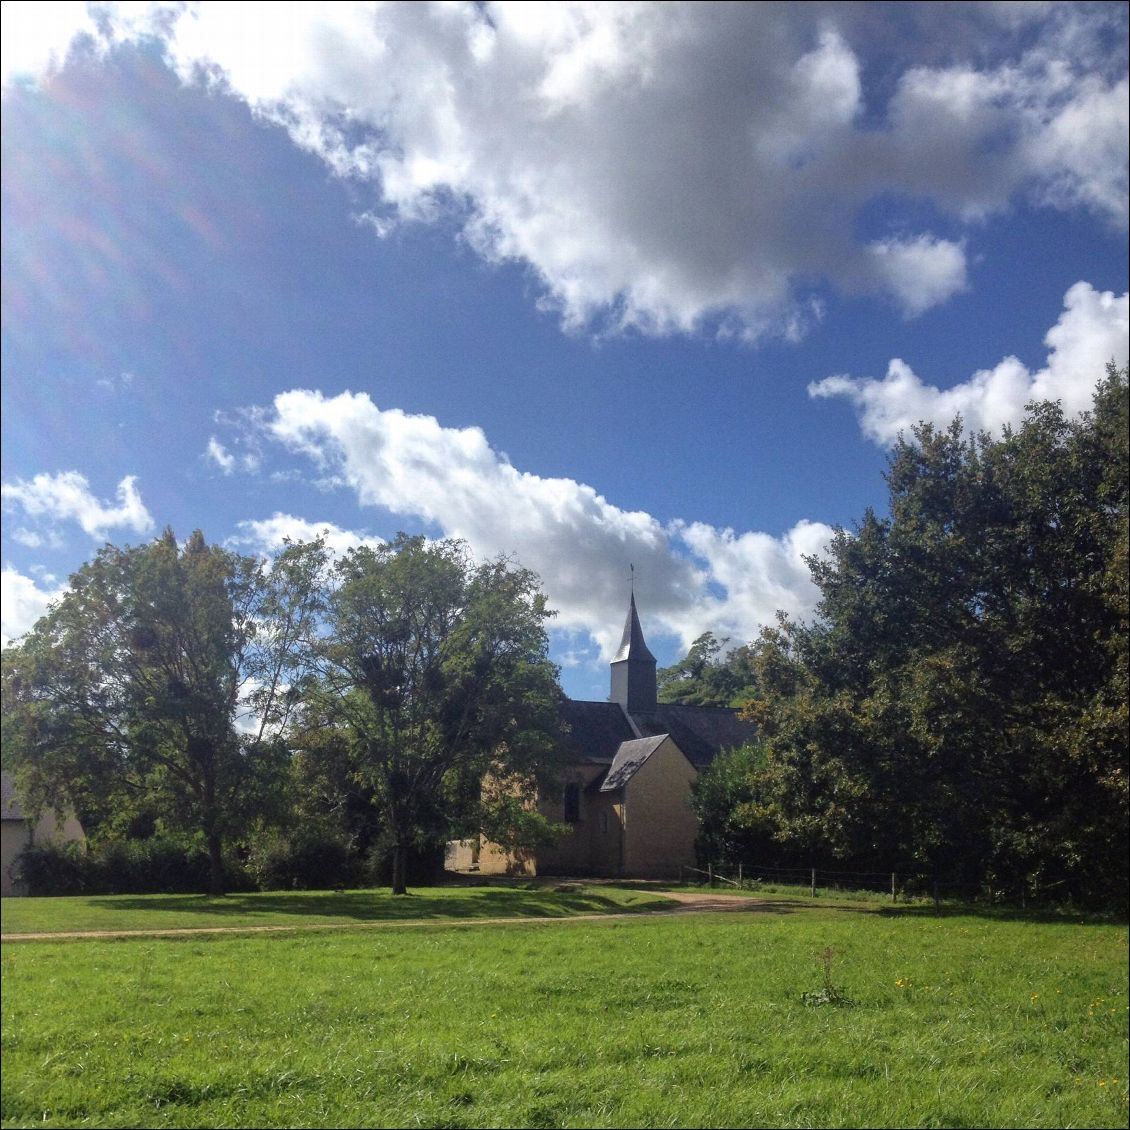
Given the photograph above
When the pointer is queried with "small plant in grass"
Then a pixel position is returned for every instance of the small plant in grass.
(830, 993)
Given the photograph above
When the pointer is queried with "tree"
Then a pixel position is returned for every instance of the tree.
(725, 797)
(708, 677)
(437, 668)
(960, 703)
(159, 679)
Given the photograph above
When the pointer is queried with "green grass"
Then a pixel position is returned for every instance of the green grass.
(307, 908)
(686, 1021)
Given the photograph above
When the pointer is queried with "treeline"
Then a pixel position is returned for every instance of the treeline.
(958, 708)
(216, 719)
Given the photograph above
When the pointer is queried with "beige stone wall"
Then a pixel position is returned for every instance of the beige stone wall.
(461, 855)
(645, 830)
(485, 858)
(606, 834)
(50, 828)
(659, 823)
(15, 839)
(573, 854)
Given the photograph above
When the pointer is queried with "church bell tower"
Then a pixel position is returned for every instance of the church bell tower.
(633, 669)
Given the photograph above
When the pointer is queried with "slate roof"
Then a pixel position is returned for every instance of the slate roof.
(629, 757)
(701, 732)
(596, 730)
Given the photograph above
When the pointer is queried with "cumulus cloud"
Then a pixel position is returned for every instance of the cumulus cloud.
(266, 535)
(1093, 330)
(36, 39)
(67, 497)
(22, 602)
(920, 272)
(690, 577)
(680, 167)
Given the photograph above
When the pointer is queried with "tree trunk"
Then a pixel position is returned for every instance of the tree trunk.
(215, 863)
(400, 869)
(215, 840)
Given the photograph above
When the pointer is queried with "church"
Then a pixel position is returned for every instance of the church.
(629, 766)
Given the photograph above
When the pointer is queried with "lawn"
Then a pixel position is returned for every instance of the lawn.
(646, 1021)
(310, 908)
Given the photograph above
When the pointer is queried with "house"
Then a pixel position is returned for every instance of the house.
(21, 832)
(630, 763)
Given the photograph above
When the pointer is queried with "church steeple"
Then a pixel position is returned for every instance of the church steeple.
(633, 669)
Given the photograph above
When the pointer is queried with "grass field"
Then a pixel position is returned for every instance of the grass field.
(649, 1021)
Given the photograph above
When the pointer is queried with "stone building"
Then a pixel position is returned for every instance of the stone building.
(630, 763)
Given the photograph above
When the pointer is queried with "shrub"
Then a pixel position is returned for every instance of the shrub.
(159, 865)
(54, 869)
(300, 861)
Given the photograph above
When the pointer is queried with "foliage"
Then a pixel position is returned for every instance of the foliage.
(433, 674)
(334, 721)
(725, 796)
(157, 684)
(53, 869)
(510, 820)
(165, 864)
(309, 858)
(829, 992)
(708, 675)
(961, 702)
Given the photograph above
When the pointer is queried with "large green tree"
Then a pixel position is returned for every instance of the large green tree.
(709, 675)
(437, 670)
(960, 702)
(160, 681)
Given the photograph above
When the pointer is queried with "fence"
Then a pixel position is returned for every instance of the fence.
(906, 884)
(886, 882)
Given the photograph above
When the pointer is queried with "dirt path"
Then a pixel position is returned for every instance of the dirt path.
(690, 902)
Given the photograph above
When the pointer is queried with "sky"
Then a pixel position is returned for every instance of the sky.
(595, 286)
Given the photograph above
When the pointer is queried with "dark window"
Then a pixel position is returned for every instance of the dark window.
(572, 803)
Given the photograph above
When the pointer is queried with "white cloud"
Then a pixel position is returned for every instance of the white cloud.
(119, 384)
(37, 539)
(67, 497)
(1080, 158)
(267, 535)
(689, 577)
(22, 602)
(218, 454)
(1093, 330)
(678, 167)
(36, 38)
(920, 272)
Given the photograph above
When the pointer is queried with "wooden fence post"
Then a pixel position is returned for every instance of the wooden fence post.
(894, 888)
(710, 873)
(813, 888)
(739, 876)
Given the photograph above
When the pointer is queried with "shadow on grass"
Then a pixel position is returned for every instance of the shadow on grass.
(376, 906)
(1042, 915)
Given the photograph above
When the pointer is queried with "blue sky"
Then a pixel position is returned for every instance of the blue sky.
(592, 286)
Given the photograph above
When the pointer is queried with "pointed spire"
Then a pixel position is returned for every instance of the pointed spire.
(633, 668)
(632, 643)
